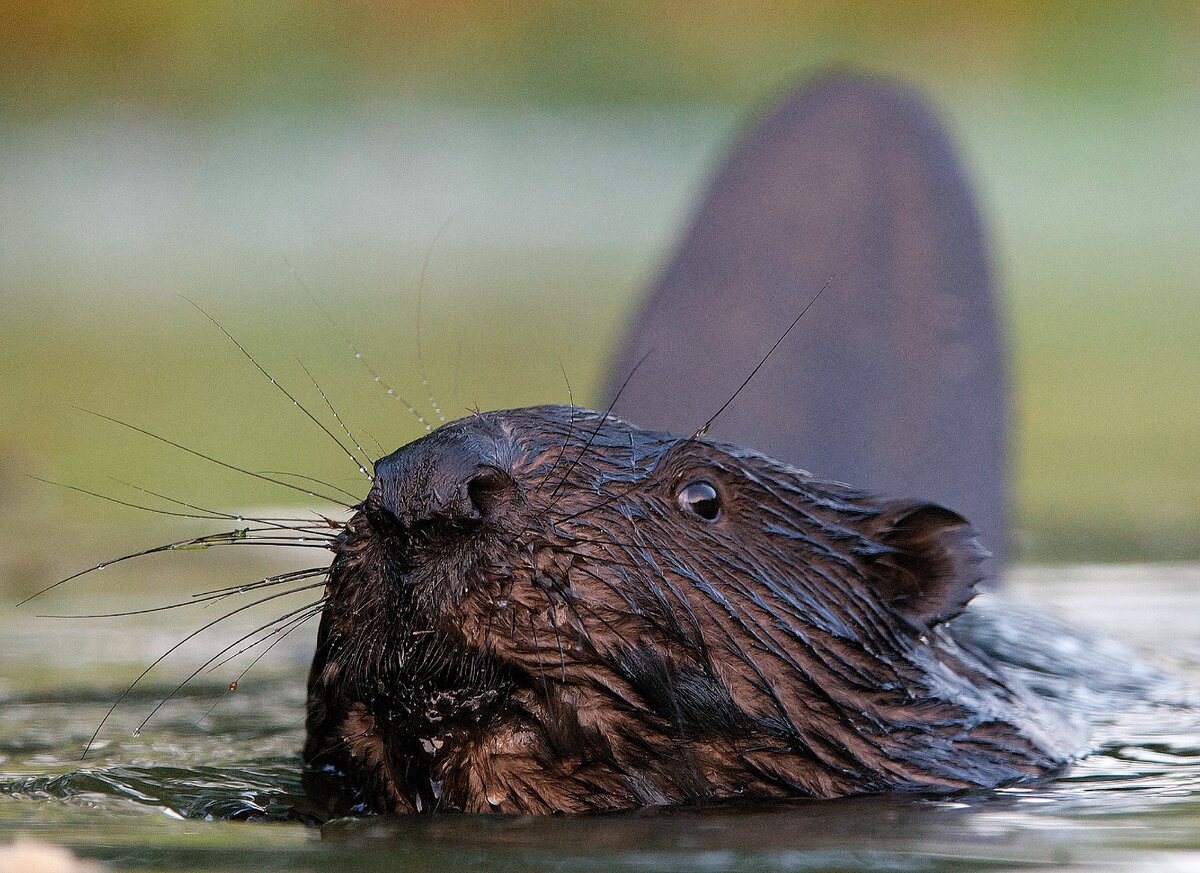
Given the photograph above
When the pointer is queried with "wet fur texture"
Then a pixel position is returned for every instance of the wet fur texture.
(522, 617)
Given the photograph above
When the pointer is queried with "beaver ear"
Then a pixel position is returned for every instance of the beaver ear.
(930, 563)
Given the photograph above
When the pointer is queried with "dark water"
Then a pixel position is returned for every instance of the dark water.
(217, 788)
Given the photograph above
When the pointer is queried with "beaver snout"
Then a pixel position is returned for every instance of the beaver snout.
(445, 477)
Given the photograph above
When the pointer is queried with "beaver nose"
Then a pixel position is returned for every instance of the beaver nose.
(439, 479)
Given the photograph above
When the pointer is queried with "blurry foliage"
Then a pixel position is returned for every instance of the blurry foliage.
(1078, 120)
(190, 56)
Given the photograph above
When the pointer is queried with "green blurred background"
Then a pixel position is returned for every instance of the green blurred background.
(276, 161)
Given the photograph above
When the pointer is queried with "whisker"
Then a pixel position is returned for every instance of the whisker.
(314, 480)
(704, 427)
(554, 496)
(202, 542)
(213, 460)
(552, 612)
(293, 543)
(283, 618)
(349, 454)
(238, 589)
(119, 502)
(630, 488)
(562, 449)
(295, 624)
(437, 409)
(124, 694)
(204, 597)
(540, 665)
(338, 418)
(375, 376)
(314, 609)
(378, 444)
(294, 524)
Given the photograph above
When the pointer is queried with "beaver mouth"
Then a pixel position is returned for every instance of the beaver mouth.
(397, 633)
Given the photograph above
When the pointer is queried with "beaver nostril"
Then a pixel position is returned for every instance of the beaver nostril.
(487, 489)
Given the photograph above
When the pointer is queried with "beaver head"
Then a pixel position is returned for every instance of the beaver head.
(548, 609)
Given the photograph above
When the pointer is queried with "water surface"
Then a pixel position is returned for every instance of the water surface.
(212, 782)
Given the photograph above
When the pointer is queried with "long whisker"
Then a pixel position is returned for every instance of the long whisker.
(282, 631)
(552, 612)
(124, 694)
(292, 625)
(554, 496)
(375, 376)
(213, 460)
(305, 478)
(437, 409)
(283, 618)
(293, 524)
(704, 427)
(562, 449)
(119, 502)
(208, 514)
(207, 596)
(349, 454)
(238, 589)
(636, 485)
(201, 542)
(338, 418)
(541, 667)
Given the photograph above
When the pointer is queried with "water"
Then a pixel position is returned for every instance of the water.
(217, 789)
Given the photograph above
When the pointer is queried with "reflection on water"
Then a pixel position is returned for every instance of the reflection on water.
(178, 794)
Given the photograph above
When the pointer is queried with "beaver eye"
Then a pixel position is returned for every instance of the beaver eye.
(701, 498)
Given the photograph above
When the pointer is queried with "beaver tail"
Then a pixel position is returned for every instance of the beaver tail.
(896, 379)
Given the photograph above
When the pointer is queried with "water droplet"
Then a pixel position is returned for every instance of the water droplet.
(378, 378)
(233, 685)
(101, 566)
(358, 356)
(137, 732)
(502, 603)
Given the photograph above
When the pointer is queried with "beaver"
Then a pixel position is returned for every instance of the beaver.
(550, 610)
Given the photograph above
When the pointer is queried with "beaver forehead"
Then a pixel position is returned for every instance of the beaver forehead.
(534, 428)
(524, 437)
(525, 440)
